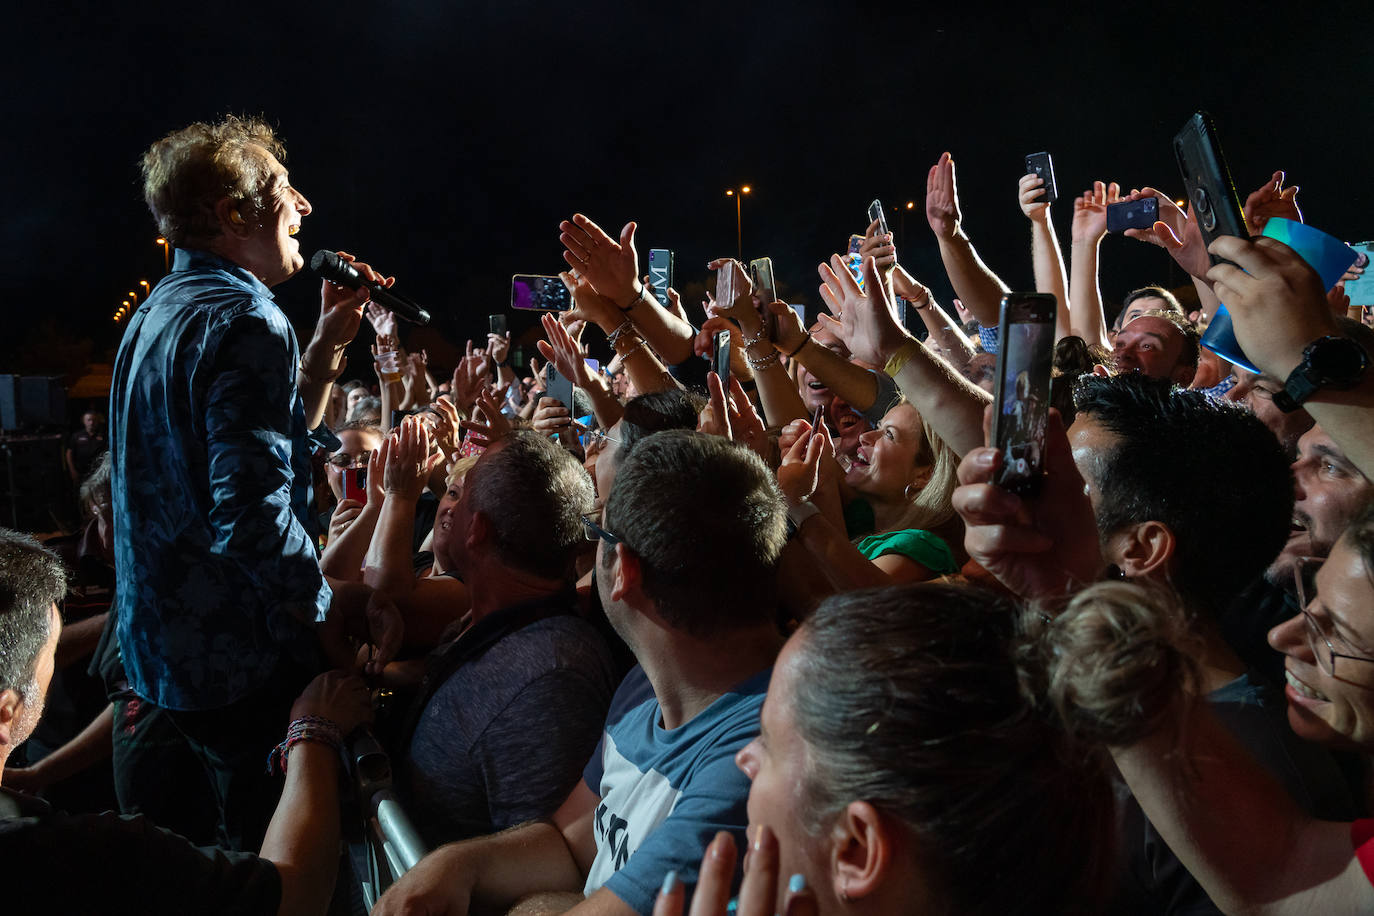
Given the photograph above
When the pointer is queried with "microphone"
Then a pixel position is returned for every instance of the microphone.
(335, 269)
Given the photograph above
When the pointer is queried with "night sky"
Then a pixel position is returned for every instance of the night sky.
(443, 142)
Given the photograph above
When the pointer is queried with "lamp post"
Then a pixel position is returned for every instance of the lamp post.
(739, 225)
(166, 255)
(146, 288)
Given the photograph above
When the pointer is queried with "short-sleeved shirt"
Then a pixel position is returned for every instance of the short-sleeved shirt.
(1362, 838)
(504, 738)
(109, 863)
(913, 543)
(665, 793)
(218, 579)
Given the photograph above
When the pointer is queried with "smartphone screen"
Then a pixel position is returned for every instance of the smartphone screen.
(539, 293)
(660, 273)
(720, 357)
(1041, 165)
(497, 324)
(1207, 179)
(355, 484)
(1022, 399)
(875, 211)
(1361, 289)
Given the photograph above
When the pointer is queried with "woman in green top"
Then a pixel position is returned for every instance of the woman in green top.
(896, 491)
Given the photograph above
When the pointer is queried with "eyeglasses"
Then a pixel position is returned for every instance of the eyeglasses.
(1305, 573)
(345, 460)
(593, 530)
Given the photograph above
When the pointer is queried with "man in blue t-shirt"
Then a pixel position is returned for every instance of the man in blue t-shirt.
(700, 623)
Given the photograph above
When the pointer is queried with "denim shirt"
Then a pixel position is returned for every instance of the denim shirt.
(218, 578)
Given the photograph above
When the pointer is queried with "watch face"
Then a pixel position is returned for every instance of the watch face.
(1335, 362)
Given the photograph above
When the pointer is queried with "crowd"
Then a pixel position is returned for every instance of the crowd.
(609, 640)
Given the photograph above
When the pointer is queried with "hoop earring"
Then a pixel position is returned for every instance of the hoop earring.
(910, 495)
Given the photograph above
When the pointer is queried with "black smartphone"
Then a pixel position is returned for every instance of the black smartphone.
(497, 324)
(1025, 355)
(660, 273)
(1132, 214)
(1041, 165)
(875, 211)
(720, 357)
(559, 387)
(1207, 180)
(539, 293)
(355, 484)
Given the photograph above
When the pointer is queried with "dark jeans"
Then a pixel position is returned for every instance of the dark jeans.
(155, 773)
(233, 743)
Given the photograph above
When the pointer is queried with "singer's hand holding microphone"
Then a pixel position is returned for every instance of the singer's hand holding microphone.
(343, 270)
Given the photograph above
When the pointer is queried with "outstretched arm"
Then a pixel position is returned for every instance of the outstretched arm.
(1046, 258)
(980, 289)
(1086, 318)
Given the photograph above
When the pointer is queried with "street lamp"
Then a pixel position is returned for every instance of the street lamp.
(739, 226)
(146, 288)
(166, 255)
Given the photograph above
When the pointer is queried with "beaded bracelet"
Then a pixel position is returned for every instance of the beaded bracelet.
(763, 362)
(306, 728)
(747, 342)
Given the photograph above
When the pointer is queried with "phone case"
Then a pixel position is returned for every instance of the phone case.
(1207, 180)
(1042, 166)
(1132, 214)
(875, 211)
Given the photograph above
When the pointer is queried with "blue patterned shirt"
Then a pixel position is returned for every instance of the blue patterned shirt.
(217, 576)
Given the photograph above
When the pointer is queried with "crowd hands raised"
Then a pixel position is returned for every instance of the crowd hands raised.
(687, 615)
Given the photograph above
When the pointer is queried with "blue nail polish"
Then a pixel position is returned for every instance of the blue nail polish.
(732, 906)
(796, 884)
(670, 882)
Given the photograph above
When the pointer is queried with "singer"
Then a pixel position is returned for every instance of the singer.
(219, 590)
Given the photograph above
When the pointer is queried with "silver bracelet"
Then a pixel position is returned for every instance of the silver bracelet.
(626, 327)
(762, 362)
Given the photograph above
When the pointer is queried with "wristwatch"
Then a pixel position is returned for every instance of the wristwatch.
(1328, 362)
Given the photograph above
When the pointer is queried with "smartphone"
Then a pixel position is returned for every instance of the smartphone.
(725, 285)
(497, 324)
(761, 275)
(355, 484)
(801, 313)
(856, 242)
(720, 357)
(1025, 340)
(660, 273)
(559, 387)
(1207, 180)
(1361, 289)
(855, 261)
(539, 293)
(1132, 214)
(875, 211)
(1041, 165)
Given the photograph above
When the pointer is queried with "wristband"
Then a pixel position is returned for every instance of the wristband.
(306, 728)
(901, 357)
(798, 514)
(635, 301)
(805, 340)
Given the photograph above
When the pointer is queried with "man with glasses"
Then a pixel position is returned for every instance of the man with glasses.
(686, 568)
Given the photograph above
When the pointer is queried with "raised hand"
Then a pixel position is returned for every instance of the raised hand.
(551, 417)
(1090, 211)
(611, 266)
(1029, 192)
(495, 426)
(469, 378)
(1176, 232)
(1271, 200)
(879, 247)
(744, 288)
(341, 308)
(942, 199)
(867, 323)
(1044, 547)
(588, 304)
(566, 354)
(409, 461)
(498, 347)
(382, 319)
(800, 471)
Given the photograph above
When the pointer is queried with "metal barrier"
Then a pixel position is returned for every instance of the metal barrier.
(390, 845)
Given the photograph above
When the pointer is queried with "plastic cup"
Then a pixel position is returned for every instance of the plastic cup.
(1326, 254)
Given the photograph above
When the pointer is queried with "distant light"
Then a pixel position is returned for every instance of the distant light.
(911, 205)
(125, 303)
(1182, 204)
(160, 241)
(746, 189)
(730, 192)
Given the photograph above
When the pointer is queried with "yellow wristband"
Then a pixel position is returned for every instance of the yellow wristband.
(900, 358)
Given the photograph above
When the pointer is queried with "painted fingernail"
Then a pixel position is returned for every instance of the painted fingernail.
(669, 882)
(796, 884)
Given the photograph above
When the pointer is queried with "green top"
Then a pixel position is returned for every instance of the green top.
(919, 546)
